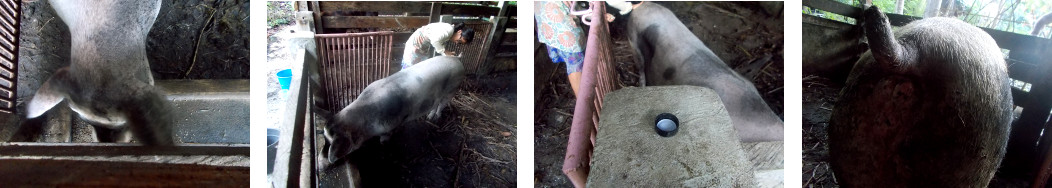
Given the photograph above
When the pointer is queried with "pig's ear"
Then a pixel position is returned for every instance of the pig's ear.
(881, 40)
(50, 94)
(340, 147)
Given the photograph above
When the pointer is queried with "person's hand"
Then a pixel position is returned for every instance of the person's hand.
(450, 53)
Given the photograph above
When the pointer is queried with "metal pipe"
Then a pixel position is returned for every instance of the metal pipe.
(579, 147)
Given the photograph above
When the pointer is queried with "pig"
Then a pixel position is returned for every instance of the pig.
(929, 106)
(422, 89)
(667, 53)
(109, 83)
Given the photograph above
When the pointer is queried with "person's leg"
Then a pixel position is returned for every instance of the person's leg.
(573, 76)
(575, 79)
(574, 64)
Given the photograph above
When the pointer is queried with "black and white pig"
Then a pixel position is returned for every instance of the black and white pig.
(422, 89)
(669, 54)
(927, 106)
(109, 83)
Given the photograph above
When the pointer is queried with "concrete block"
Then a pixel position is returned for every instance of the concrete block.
(705, 152)
(205, 111)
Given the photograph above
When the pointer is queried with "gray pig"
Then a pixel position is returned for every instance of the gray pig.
(422, 89)
(671, 55)
(108, 83)
(929, 106)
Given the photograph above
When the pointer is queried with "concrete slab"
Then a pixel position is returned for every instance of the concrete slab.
(209, 111)
(8, 126)
(704, 153)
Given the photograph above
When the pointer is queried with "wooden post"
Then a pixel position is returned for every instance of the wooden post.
(496, 36)
(436, 10)
(1041, 93)
(318, 27)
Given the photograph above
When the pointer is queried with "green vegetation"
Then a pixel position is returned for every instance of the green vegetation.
(1017, 16)
(279, 13)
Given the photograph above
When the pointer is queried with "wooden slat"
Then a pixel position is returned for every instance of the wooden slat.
(1023, 73)
(375, 6)
(512, 23)
(469, 10)
(113, 149)
(76, 173)
(374, 21)
(1020, 97)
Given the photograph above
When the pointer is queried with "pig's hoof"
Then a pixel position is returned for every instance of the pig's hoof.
(666, 124)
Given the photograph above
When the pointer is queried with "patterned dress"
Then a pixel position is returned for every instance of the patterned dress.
(559, 31)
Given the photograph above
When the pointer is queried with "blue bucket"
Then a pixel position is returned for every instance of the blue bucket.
(284, 78)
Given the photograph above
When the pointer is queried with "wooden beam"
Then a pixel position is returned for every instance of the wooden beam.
(112, 149)
(318, 26)
(374, 21)
(376, 6)
(469, 10)
(512, 23)
(78, 173)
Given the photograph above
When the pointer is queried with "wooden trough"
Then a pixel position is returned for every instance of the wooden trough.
(1027, 63)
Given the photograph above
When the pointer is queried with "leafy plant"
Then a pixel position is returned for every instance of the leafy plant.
(279, 13)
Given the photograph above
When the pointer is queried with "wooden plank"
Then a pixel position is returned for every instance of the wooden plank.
(469, 10)
(1023, 156)
(401, 38)
(512, 11)
(374, 21)
(1020, 97)
(834, 7)
(319, 27)
(510, 38)
(76, 173)
(1024, 72)
(376, 6)
(111, 149)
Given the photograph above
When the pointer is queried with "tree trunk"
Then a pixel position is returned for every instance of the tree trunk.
(932, 8)
(898, 6)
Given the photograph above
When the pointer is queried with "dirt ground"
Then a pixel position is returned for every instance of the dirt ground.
(208, 35)
(471, 145)
(748, 36)
(818, 99)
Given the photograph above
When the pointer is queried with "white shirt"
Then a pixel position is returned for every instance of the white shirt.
(437, 34)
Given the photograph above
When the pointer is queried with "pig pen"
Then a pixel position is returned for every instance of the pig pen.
(746, 35)
(830, 50)
(472, 144)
